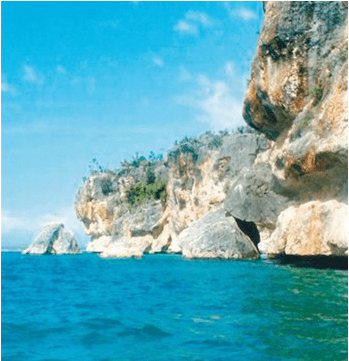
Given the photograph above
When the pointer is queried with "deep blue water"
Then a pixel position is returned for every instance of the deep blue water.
(163, 307)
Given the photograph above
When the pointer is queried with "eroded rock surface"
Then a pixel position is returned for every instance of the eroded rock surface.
(289, 193)
(314, 228)
(53, 239)
(298, 97)
(198, 175)
(216, 235)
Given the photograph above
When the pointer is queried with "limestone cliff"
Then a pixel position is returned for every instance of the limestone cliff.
(283, 191)
(297, 96)
(124, 220)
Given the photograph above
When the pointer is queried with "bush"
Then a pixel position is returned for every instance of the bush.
(136, 161)
(95, 167)
(224, 132)
(140, 193)
(150, 177)
(107, 186)
(216, 142)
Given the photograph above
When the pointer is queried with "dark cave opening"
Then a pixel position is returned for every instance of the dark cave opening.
(250, 229)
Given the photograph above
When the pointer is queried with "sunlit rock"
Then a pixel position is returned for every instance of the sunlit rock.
(198, 174)
(216, 235)
(53, 239)
(311, 229)
(298, 97)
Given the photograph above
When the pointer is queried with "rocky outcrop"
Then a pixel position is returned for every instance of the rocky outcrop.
(297, 96)
(314, 228)
(197, 173)
(53, 240)
(216, 235)
(284, 191)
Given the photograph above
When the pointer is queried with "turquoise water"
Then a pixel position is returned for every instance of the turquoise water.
(166, 308)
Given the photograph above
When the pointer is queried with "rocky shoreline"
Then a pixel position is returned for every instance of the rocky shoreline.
(280, 189)
(283, 191)
(174, 205)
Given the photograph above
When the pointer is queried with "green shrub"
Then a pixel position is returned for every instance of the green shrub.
(224, 132)
(140, 193)
(216, 142)
(150, 177)
(136, 161)
(107, 186)
(95, 167)
(344, 54)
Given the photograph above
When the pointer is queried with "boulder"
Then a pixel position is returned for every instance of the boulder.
(216, 235)
(53, 240)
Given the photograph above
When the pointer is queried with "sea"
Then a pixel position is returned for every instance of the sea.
(164, 307)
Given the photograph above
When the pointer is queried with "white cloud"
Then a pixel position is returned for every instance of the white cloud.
(184, 75)
(32, 76)
(229, 68)
(61, 70)
(199, 17)
(242, 12)
(158, 61)
(247, 14)
(6, 87)
(219, 107)
(76, 80)
(192, 22)
(216, 100)
(10, 223)
(185, 27)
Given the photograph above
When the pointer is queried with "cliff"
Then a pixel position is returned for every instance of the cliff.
(145, 206)
(297, 96)
(283, 191)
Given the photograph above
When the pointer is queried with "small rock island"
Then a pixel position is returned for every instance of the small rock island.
(53, 239)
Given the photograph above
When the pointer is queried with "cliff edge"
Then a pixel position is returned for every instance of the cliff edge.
(298, 97)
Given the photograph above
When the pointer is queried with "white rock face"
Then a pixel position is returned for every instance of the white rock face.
(98, 245)
(127, 248)
(198, 174)
(53, 240)
(311, 229)
(216, 236)
(297, 190)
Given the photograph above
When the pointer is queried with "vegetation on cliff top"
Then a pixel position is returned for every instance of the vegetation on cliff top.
(140, 193)
(150, 187)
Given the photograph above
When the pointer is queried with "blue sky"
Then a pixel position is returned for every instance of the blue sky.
(104, 80)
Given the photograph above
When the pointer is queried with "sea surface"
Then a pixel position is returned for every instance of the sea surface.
(163, 307)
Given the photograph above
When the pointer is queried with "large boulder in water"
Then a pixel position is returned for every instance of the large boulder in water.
(53, 239)
(216, 235)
